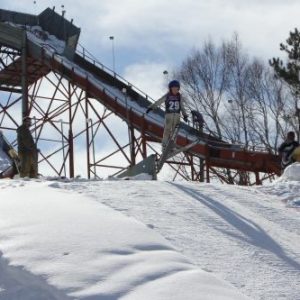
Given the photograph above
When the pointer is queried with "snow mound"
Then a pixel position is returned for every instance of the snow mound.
(286, 187)
(291, 173)
(141, 177)
(57, 244)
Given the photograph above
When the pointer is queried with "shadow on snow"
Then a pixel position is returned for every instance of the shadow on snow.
(250, 232)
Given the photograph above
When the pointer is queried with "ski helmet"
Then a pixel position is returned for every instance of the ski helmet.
(174, 83)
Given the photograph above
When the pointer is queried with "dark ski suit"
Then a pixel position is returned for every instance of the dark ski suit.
(27, 153)
(286, 150)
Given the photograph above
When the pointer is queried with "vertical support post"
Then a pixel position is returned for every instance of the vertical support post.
(112, 38)
(201, 166)
(192, 167)
(24, 79)
(207, 163)
(132, 150)
(144, 142)
(130, 129)
(298, 116)
(63, 146)
(88, 157)
(144, 145)
(71, 137)
(94, 151)
(257, 179)
(207, 172)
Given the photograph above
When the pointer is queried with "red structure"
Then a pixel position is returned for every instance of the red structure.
(77, 103)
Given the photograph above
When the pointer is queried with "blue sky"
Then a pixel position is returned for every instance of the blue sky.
(154, 35)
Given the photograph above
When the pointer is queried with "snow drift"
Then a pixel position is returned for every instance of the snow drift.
(287, 187)
(291, 173)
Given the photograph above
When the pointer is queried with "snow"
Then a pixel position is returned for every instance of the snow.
(291, 173)
(44, 39)
(141, 176)
(60, 244)
(144, 239)
(286, 187)
(244, 235)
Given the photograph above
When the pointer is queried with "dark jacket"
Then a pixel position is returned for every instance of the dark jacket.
(26, 143)
(178, 109)
(286, 150)
(197, 117)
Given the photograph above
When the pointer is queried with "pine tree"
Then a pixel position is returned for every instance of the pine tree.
(289, 71)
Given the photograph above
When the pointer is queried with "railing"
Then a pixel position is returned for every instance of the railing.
(84, 53)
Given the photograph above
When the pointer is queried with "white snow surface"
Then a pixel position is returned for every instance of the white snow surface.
(287, 187)
(64, 244)
(291, 173)
(248, 236)
(142, 177)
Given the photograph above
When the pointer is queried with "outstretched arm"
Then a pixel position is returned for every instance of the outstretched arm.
(157, 103)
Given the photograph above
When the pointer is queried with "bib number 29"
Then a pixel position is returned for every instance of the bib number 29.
(174, 105)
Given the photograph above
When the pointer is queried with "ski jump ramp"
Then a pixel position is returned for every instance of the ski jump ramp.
(59, 53)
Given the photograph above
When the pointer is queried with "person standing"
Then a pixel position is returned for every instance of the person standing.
(198, 120)
(174, 106)
(287, 149)
(27, 150)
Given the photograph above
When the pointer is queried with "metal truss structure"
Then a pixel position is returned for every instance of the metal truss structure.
(83, 129)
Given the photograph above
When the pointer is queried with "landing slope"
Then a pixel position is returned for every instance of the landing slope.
(247, 236)
(58, 244)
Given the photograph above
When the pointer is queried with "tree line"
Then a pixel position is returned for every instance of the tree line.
(244, 100)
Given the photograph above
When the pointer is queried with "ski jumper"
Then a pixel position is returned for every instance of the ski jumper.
(174, 105)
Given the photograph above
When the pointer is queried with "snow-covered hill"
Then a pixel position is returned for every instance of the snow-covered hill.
(249, 236)
(148, 240)
(57, 244)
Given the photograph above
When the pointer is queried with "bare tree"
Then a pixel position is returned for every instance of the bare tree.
(241, 98)
(204, 77)
(239, 70)
(273, 103)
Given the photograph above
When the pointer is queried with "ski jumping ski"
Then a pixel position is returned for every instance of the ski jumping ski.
(171, 149)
